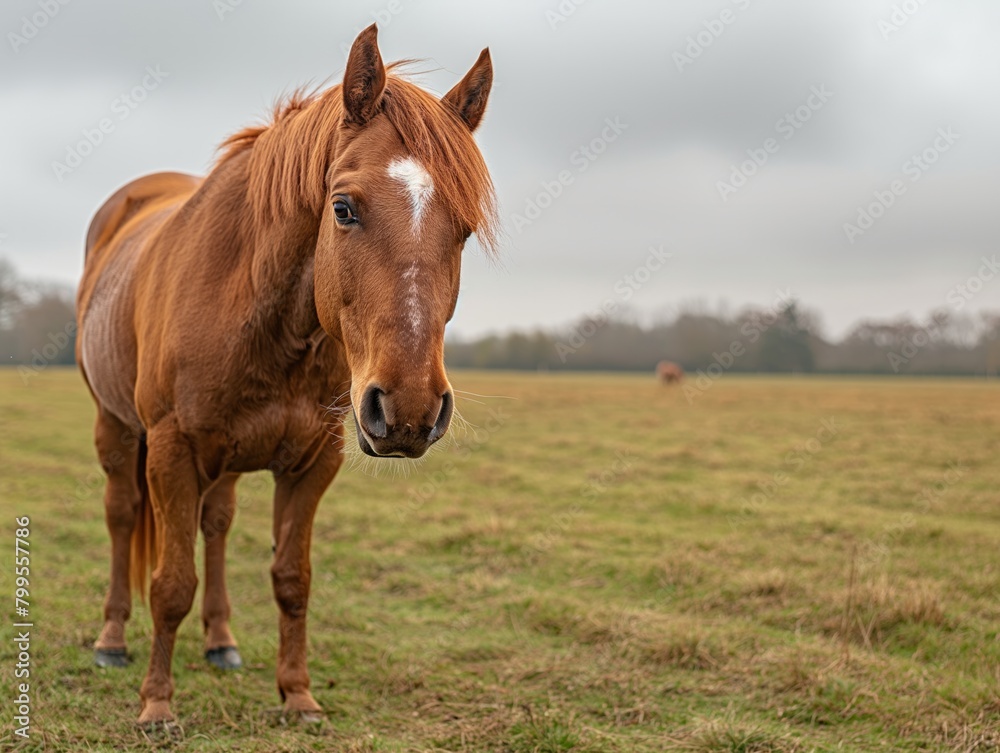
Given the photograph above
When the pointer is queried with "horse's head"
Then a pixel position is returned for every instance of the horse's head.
(406, 188)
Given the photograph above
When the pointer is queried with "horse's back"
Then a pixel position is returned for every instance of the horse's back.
(131, 198)
(118, 234)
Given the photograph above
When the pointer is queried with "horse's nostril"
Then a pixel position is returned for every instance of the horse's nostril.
(372, 414)
(444, 417)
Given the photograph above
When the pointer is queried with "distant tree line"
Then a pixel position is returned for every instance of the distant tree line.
(786, 339)
(38, 329)
(37, 323)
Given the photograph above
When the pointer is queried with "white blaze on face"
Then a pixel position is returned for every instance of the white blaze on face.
(417, 182)
(411, 301)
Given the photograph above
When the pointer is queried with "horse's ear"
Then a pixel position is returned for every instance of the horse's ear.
(468, 97)
(364, 79)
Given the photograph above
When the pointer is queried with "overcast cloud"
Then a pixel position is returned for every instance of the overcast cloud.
(880, 81)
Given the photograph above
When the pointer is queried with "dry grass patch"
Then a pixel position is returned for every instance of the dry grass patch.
(732, 736)
(871, 612)
(979, 735)
(667, 640)
(772, 584)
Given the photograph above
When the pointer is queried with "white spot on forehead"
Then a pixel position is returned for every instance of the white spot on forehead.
(417, 182)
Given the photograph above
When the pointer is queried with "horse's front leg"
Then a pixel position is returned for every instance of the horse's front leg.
(296, 497)
(217, 511)
(174, 492)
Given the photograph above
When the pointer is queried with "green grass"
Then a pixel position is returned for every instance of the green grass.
(595, 568)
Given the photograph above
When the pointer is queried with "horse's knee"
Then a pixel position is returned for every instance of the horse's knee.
(218, 510)
(121, 492)
(291, 590)
(171, 595)
(121, 505)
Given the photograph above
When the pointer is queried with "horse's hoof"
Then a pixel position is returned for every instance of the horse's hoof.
(111, 657)
(290, 716)
(164, 730)
(157, 721)
(311, 717)
(226, 657)
(302, 708)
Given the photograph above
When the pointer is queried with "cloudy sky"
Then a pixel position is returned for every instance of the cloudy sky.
(746, 135)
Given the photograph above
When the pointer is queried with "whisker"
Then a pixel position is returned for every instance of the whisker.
(340, 423)
(394, 468)
(461, 427)
(470, 400)
(488, 397)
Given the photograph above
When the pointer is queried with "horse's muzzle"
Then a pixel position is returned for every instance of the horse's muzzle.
(384, 432)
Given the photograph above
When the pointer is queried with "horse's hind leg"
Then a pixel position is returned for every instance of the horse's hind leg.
(118, 449)
(218, 508)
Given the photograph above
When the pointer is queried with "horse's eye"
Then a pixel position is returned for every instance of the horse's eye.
(343, 212)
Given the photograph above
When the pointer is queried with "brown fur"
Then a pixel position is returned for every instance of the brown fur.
(229, 324)
(669, 372)
(292, 153)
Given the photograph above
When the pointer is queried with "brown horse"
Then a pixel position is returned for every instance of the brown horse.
(224, 320)
(669, 372)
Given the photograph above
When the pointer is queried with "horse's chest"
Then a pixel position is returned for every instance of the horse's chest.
(274, 436)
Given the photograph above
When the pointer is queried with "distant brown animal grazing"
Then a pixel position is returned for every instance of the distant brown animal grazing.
(316, 265)
(669, 373)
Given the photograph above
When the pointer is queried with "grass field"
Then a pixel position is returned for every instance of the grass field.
(601, 565)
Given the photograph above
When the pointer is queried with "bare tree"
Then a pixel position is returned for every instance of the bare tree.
(11, 295)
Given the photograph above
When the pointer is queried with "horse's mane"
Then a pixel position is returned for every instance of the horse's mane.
(290, 155)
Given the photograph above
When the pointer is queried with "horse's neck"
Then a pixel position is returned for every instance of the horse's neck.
(276, 260)
(282, 276)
